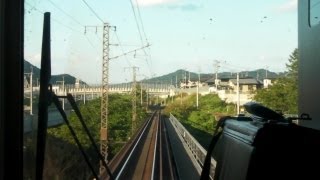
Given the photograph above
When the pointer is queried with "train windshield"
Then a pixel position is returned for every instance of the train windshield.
(128, 65)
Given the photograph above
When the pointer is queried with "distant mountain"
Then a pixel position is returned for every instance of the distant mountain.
(180, 75)
(54, 78)
(259, 74)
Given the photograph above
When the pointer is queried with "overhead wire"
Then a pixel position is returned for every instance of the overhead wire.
(121, 47)
(71, 17)
(74, 19)
(39, 11)
(135, 17)
(92, 10)
(99, 18)
(142, 26)
(148, 57)
(145, 36)
(90, 42)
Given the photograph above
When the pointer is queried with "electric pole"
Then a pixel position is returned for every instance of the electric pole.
(185, 79)
(176, 81)
(134, 99)
(266, 72)
(180, 96)
(141, 93)
(105, 90)
(198, 89)
(238, 95)
(31, 90)
(216, 67)
(104, 95)
(84, 94)
(62, 90)
(147, 91)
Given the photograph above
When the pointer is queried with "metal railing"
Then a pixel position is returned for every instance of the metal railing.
(198, 152)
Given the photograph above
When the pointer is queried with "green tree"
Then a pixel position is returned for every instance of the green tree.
(119, 122)
(201, 121)
(283, 94)
(202, 118)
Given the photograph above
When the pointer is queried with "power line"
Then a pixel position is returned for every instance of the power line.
(71, 17)
(119, 42)
(135, 50)
(90, 42)
(135, 17)
(142, 27)
(41, 12)
(92, 10)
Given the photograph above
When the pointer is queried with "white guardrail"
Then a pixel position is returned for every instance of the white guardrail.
(198, 152)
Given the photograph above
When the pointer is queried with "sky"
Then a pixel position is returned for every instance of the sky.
(183, 34)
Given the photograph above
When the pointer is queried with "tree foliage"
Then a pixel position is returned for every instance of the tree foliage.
(202, 118)
(119, 123)
(283, 94)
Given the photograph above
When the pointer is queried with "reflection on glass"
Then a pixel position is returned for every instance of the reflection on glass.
(314, 12)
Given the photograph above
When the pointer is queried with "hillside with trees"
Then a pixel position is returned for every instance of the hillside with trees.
(200, 121)
(69, 79)
(181, 74)
(63, 158)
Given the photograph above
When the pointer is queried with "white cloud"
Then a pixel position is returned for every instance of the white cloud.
(288, 6)
(154, 2)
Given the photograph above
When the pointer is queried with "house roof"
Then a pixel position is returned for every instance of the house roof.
(246, 81)
(211, 80)
(202, 79)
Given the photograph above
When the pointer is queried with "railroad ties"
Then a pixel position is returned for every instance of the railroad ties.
(147, 156)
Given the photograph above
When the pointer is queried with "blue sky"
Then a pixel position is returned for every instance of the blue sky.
(184, 34)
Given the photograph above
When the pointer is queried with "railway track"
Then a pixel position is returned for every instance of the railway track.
(147, 156)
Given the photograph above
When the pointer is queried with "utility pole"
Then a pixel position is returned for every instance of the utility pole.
(238, 95)
(176, 81)
(147, 96)
(185, 79)
(105, 88)
(180, 96)
(104, 91)
(198, 90)
(31, 90)
(141, 93)
(84, 94)
(266, 72)
(62, 90)
(216, 67)
(134, 100)
(104, 95)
